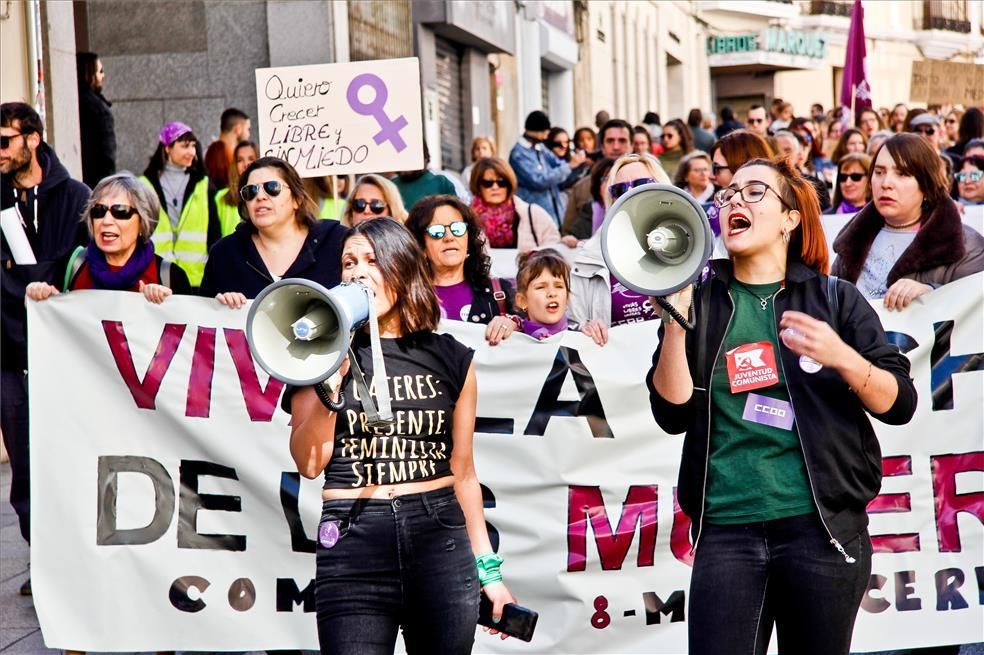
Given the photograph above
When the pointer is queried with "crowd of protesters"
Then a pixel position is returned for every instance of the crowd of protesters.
(224, 222)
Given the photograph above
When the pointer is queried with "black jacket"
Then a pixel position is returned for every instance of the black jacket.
(98, 134)
(234, 263)
(485, 307)
(60, 229)
(843, 460)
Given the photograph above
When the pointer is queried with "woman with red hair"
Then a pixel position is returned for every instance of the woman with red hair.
(773, 388)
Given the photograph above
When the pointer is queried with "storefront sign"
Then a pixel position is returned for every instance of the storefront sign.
(771, 40)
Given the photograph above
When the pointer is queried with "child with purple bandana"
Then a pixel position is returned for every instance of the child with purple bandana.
(542, 290)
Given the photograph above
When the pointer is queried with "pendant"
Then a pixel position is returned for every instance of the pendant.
(764, 303)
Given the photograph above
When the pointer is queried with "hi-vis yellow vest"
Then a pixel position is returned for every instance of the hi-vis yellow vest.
(228, 214)
(188, 245)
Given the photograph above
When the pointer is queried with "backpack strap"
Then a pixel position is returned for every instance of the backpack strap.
(499, 295)
(166, 273)
(833, 301)
(75, 262)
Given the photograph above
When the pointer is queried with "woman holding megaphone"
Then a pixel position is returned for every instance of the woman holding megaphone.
(773, 389)
(402, 540)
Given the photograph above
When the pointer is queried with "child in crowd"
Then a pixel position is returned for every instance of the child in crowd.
(542, 289)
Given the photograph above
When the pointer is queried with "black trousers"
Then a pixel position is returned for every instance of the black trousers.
(16, 431)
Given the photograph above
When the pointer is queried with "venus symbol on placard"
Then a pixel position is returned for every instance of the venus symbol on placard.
(389, 127)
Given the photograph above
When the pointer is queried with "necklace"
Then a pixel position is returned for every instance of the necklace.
(763, 300)
(900, 227)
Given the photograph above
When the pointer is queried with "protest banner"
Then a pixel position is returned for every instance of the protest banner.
(349, 118)
(168, 514)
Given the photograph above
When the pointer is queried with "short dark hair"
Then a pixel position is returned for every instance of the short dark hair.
(86, 67)
(615, 123)
(403, 265)
(755, 106)
(695, 117)
(914, 156)
(727, 113)
(651, 118)
(30, 122)
(232, 117)
(307, 210)
(477, 263)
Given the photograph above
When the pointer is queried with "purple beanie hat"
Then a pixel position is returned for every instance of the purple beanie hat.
(172, 131)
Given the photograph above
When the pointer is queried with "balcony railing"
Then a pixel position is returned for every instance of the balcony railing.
(831, 7)
(949, 15)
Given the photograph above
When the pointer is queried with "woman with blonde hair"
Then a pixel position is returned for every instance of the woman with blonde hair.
(373, 196)
(481, 147)
(598, 300)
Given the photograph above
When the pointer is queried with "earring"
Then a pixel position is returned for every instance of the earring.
(785, 235)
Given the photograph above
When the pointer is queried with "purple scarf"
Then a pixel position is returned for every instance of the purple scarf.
(847, 208)
(126, 277)
(541, 331)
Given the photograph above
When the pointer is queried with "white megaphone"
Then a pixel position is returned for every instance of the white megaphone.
(656, 240)
(299, 331)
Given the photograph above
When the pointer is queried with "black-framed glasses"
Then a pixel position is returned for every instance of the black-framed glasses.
(272, 188)
(119, 212)
(619, 189)
(360, 206)
(969, 176)
(5, 139)
(854, 177)
(437, 231)
(499, 182)
(751, 193)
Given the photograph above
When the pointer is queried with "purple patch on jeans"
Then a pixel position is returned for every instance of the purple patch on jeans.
(768, 411)
(328, 533)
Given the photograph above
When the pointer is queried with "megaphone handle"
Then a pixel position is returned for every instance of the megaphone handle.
(677, 316)
(372, 414)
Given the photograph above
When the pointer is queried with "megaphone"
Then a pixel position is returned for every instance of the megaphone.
(656, 240)
(299, 331)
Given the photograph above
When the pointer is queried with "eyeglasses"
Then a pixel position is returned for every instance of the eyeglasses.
(499, 182)
(927, 131)
(717, 168)
(5, 139)
(119, 212)
(619, 189)
(969, 176)
(374, 206)
(666, 135)
(750, 193)
(437, 231)
(271, 187)
(754, 121)
(854, 177)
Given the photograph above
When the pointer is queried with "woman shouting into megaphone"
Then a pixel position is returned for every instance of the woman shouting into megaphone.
(402, 540)
(773, 389)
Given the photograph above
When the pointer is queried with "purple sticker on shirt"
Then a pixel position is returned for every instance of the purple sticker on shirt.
(328, 533)
(768, 411)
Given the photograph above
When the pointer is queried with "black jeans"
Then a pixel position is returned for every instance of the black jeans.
(405, 562)
(784, 572)
(13, 422)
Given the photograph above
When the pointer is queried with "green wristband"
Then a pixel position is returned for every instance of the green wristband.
(488, 569)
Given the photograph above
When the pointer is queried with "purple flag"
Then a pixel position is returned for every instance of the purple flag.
(855, 91)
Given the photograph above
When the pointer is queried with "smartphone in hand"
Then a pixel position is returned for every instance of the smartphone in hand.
(517, 621)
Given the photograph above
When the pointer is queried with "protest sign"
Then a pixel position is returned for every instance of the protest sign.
(168, 515)
(350, 118)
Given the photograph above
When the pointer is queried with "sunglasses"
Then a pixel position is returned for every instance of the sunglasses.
(499, 182)
(951, 121)
(717, 168)
(854, 177)
(374, 206)
(271, 187)
(969, 176)
(666, 135)
(458, 229)
(5, 139)
(619, 189)
(928, 131)
(119, 212)
(754, 121)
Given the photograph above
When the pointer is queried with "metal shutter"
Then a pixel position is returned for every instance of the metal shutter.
(379, 30)
(451, 104)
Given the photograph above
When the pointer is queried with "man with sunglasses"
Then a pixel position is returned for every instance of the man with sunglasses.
(758, 121)
(48, 203)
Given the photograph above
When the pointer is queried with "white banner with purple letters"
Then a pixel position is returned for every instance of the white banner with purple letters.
(167, 513)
